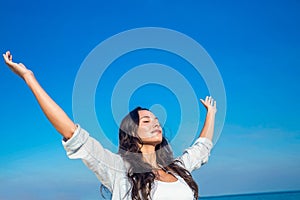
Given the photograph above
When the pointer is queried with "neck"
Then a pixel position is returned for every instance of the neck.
(149, 155)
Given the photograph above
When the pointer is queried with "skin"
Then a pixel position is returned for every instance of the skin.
(149, 129)
(150, 132)
(58, 118)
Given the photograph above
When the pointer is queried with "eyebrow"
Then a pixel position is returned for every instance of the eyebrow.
(148, 117)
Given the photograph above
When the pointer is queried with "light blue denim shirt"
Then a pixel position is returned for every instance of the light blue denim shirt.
(111, 169)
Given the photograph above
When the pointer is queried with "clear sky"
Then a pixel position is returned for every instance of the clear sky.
(254, 44)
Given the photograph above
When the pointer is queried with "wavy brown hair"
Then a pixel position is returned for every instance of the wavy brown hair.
(140, 173)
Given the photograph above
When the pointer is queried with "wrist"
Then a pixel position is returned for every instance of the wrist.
(28, 76)
(210, 115)
(211, 112)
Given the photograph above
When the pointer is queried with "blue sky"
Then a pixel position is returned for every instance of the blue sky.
(255, 45)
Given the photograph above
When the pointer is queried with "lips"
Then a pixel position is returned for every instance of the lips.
(157, 131)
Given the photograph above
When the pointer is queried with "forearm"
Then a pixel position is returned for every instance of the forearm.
(58, 118)
(208, 128)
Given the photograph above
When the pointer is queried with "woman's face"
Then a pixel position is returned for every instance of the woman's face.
(149, 129)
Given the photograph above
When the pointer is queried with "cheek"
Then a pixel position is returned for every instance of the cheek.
(143, 132)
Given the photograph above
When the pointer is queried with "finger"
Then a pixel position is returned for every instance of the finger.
(206, 98)
(5, 57)
(212, 102)
(209, 100)
(9, 56)
(7, 53)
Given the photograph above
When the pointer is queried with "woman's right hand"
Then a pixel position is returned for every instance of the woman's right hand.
(17, 68)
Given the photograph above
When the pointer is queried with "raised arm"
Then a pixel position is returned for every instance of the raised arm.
(58, 118)
(208, 127)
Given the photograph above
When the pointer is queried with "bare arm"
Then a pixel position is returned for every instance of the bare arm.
(208, 128)
(58, 118)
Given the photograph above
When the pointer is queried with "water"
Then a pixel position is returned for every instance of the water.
(295, 195)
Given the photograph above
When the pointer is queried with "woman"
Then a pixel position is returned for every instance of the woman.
(144, 167)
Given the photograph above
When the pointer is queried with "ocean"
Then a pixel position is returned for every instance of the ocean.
(294, 195)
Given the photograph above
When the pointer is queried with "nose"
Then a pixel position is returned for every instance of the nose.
(156, 124)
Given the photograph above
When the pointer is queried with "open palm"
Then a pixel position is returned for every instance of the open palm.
(209, 103)
(17, 68)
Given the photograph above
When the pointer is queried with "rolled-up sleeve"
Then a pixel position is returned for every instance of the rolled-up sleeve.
(196, 155)
(101, 161)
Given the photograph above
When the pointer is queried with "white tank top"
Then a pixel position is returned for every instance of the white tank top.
(172, 190)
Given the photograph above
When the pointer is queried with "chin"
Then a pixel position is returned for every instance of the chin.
(159, 141)
(153, 141)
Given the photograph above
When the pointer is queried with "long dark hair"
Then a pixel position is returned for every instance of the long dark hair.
(140, 173)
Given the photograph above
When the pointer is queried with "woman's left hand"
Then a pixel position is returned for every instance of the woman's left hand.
(210, 104)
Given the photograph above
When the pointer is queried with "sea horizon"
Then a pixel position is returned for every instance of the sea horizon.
(277, 195)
